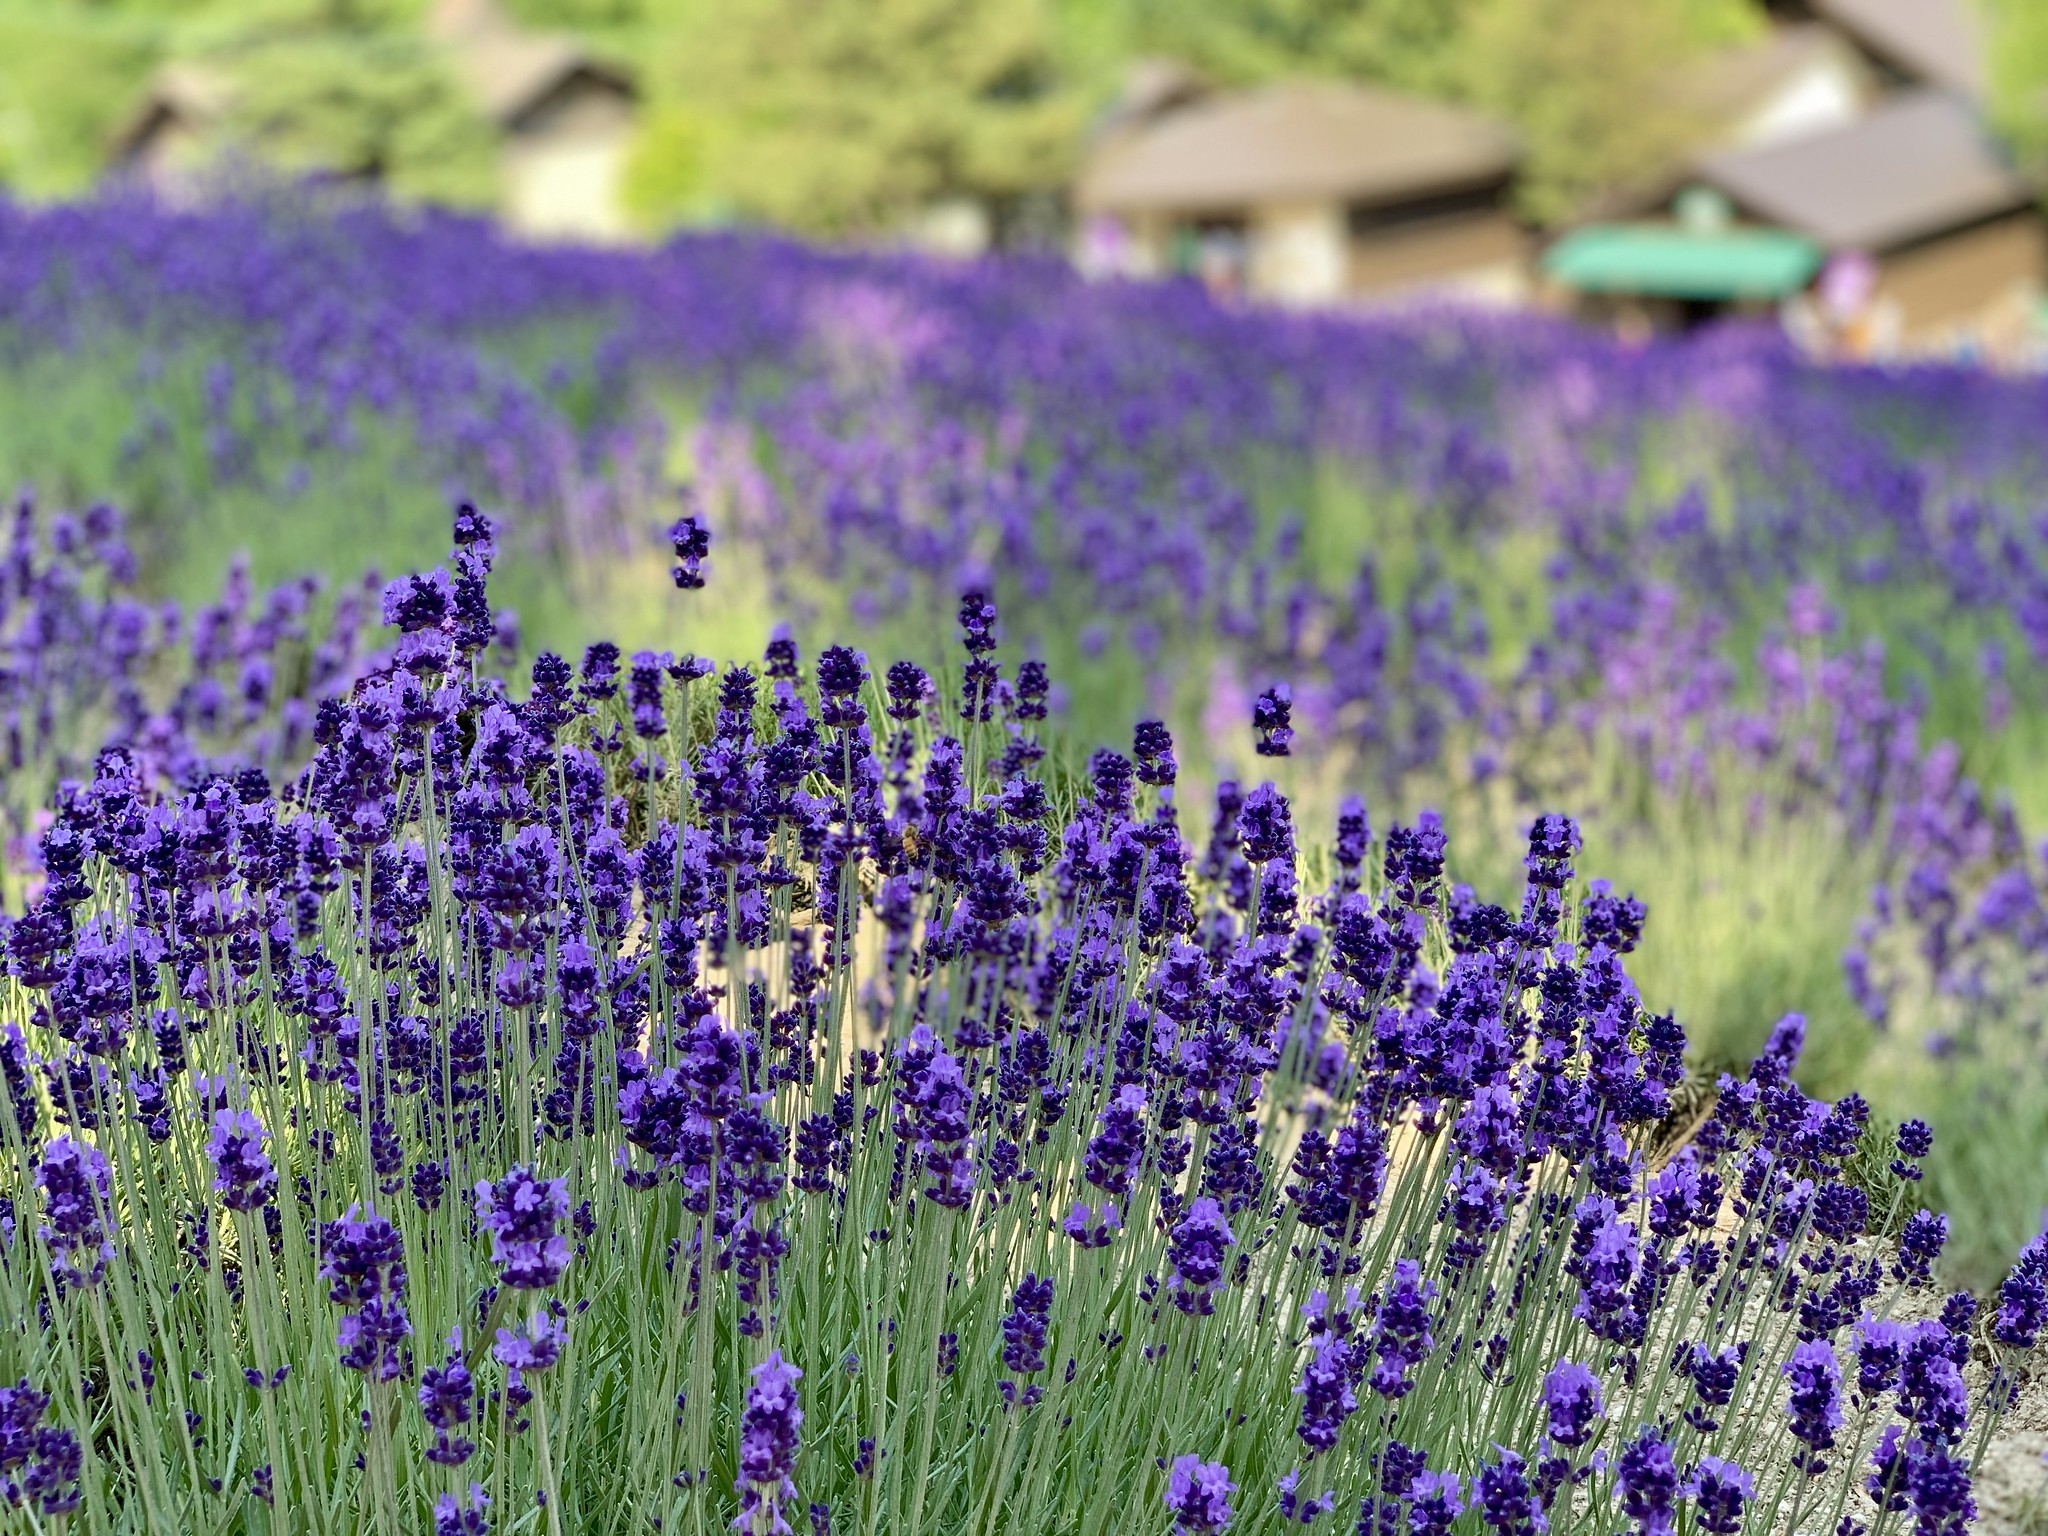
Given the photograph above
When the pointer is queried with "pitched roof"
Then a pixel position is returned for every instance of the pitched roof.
(510, 72)
(1731, 85)
(1295, 142)
(180, 92)
(1915, 166)
(1938, 42)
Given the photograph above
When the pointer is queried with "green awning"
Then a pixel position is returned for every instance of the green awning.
(1676, 263)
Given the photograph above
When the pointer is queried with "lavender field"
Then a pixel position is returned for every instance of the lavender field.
(975, 902)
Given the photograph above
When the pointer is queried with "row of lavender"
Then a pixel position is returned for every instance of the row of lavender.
(676, 1100)
(1129, 465)
(1740, 582)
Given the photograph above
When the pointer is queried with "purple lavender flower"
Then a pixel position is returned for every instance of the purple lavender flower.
(1415, 860)
(39, 1465)
(21, 1411)
(1024, 1326)
(1118, 1146)
(1920, 1244)
(842, 673)
(1932, 1397)
(447, 1396)
(691, 541)
(50, 1480)
(1354, 841)
(1915, 1142)
(1433, 1503)
(768, 1445)
(1572, 1395)
(242, 1172)
(1552, 842)
(1198, 1495)
(1880, 1349)
(363, 1259)
(1814, 1399)
(1326, 1392)
(532, 1348)
(456, 1517)
(520, 1212)
(76, 1186)
(1273, 720)
(1092, 1229)
(1719, 1490)
(1647, 1476)
(1401, 1336)
(1507, 1503)
(2023, 1297)
(1195, 1251)
(1938, 1487)
(1267, 825)
(1152, 746)
(908, 686)
(1296, 1510)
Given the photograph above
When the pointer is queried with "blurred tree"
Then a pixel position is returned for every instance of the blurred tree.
(842, 115)
(1589, 84)
(2019, 79)
(666, 179)
(1409, 44)
(65, 79)
(370, 104)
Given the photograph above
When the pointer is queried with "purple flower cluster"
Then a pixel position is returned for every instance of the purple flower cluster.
(878, 1056)
(39, 1463)
(77, 1196)
(768, 1446)
(243, 1174)
(521, 1213)
(362, 1257)
(1198, 1495)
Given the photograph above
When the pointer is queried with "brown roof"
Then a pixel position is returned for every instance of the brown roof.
(512, 72)
(1730, 83)
(1939, 42)
(1297, 142)
(178, 93)
(1917, 165)
(1151, 88)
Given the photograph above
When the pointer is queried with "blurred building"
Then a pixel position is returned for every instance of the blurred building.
(1935, 43)
(1848, 180)
(1795, 79)
(171, 131)
(563, 118)
(1301, 192)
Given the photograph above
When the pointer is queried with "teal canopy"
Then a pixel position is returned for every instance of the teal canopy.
(1672, 262)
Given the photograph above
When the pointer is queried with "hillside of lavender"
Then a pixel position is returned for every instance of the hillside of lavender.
(1770, 633)
(979, 903)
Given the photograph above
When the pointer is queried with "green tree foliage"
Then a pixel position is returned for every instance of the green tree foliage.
(839, 115)
(666, 178)
(372, 104)
(2019, 78)
(1592, 87)
(1409, 44)
(65, 78)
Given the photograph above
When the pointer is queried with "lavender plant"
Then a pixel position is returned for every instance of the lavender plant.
(870, 1120)
(88, 661)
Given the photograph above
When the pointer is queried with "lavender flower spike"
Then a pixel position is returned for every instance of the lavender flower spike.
(520, 1212)
(1198, 1493)
(243, 1174)
(768, 1447)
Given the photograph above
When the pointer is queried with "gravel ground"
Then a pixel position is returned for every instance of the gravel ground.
(2012, 1483)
